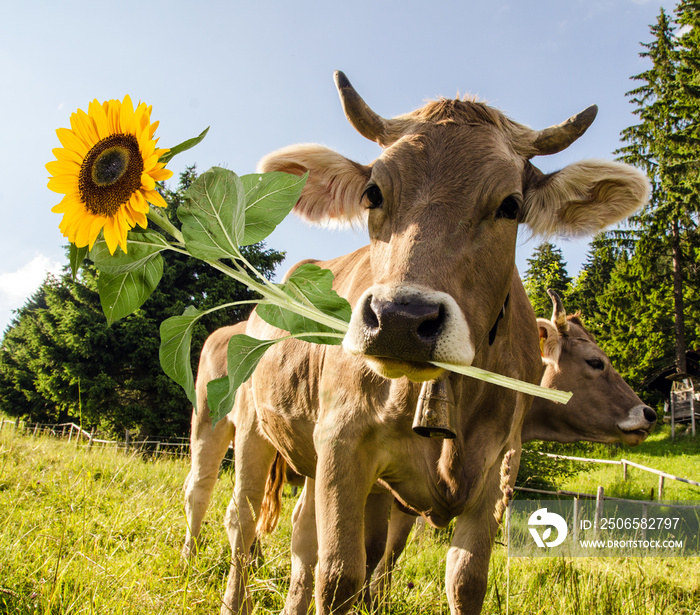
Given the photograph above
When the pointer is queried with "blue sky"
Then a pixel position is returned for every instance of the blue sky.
(260, 74)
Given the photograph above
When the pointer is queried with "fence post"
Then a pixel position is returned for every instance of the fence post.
(16, 424)
(600, 496)
(70, 435)
(126, 441)
(661, 487)
(624, 470)
(36, 428)
(2, 424)
(92, 436)
(157, 449)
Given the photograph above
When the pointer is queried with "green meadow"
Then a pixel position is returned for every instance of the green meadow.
(99, 531)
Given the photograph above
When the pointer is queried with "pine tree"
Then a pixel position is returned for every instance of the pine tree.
(664, 146)
(546, 269)
(592, 285)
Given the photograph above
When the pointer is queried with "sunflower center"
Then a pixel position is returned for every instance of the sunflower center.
(110, 174)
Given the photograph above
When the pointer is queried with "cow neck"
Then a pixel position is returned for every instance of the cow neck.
(501, 314)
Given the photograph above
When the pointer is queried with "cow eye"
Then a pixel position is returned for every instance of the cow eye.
(509, 209)
(596, 363)
(374, 196)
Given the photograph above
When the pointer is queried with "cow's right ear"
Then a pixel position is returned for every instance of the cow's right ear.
(333, 191)
(550, 342)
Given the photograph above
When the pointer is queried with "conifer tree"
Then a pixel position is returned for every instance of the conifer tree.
(662, 144)
(546, 269)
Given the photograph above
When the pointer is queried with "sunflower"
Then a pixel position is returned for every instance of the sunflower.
(107, 168)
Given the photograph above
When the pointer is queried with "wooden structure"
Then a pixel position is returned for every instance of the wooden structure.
(684, 402)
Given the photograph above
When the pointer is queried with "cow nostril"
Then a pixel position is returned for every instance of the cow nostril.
(430, 328)
(369, 316)
(649, 414)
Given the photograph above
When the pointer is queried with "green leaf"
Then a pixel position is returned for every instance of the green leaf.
(269, 199)
(213, 215)
(175, 342)
(143, 246)
(77, 256)
(184, 146)
(122, 294)
(243, 355)
(309, 284)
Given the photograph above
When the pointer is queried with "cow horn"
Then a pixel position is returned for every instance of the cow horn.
(558, 312)
(363, 119)
(557, 138)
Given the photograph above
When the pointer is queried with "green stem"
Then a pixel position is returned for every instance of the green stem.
(276, 297)
(162, 221)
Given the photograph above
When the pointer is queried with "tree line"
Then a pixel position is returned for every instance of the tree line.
(638, 290)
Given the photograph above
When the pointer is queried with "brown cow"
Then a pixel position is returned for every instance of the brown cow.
(603, 409)
(436, 285)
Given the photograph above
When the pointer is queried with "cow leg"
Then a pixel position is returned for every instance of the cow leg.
(304, 553)
(208, 446)
(376, 527)
(253, 458)
(400, 525)
(470, 551)
(343, 482)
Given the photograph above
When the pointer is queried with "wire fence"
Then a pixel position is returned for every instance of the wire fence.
(156, 447)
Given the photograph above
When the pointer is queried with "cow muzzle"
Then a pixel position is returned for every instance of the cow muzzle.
(637, 426)
(401, 329)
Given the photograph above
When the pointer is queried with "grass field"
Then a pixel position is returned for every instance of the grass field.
(97, 531)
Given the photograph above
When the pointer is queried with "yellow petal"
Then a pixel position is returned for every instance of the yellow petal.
(139, 203)
(84, 127)
(95, 229)
(63, 184)
(154, 197)
(97, 112)
(70, 141)
(82, 236)
(126, 116)
(67, 154)
(63, 167)
(160, 175)
(150, 162)
(147, 182)
(68, 204)
(111, 235)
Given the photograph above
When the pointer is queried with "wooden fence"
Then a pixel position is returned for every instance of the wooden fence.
(625, 463)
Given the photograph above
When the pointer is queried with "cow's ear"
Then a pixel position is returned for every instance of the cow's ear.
(550, 342)
(333, 191)
(583, 198)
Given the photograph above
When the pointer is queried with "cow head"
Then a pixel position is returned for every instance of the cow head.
(442, 204)
(603, 407)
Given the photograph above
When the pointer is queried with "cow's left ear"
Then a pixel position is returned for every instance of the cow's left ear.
(333, 191)
(550, 342)
(583, 198)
